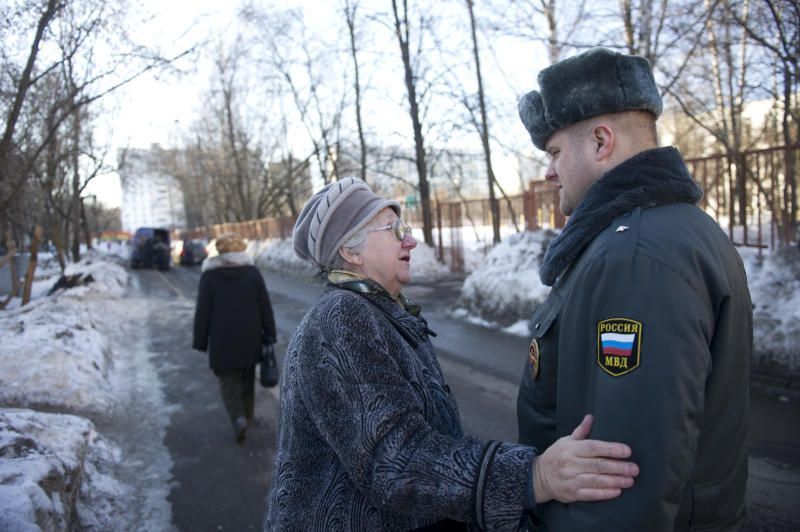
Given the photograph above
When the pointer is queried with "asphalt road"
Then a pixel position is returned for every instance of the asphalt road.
(220, 485)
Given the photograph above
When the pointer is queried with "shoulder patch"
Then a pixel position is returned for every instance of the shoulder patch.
(619, 343)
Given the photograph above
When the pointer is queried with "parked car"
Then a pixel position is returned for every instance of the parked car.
(150, 248)
(190, 252)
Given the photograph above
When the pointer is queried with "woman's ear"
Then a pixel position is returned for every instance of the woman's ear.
(350, 257)
(604, 140)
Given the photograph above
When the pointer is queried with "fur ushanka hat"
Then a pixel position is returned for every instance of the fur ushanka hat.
(332, 216)
(596, 82)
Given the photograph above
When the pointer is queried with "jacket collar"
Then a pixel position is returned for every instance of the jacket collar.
(227, 260)
(404, 315)
(652, 177)
(363, 285)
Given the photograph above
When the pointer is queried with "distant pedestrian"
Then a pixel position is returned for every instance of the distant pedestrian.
(233, 321)
(370, 437)
(648, 325)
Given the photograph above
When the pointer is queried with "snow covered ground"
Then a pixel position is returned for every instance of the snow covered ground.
(503, 291)
(67, 367)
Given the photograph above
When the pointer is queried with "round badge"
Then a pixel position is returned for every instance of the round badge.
(533, 358)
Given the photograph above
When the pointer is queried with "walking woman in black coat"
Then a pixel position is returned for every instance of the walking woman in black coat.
(233, 320)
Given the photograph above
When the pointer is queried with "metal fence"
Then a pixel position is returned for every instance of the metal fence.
(749, 194)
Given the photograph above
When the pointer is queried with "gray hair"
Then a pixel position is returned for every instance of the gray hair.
(354, 244)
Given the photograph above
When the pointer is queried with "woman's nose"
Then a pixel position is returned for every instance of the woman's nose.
(409, 241)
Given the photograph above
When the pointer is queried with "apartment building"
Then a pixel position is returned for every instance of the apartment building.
(150, 196)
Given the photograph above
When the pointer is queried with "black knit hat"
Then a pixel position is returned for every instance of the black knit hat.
(595, 82)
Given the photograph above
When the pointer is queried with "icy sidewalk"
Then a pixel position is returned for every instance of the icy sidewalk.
(64, 365)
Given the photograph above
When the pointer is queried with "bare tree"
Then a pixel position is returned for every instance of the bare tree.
(556, 24)
(774, 26)
(74, 34)
(350, 11)
(402, 29)
(723, 66)
(483, 128)
(305, 66)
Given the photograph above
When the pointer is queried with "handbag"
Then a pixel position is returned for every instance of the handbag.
(269, 374)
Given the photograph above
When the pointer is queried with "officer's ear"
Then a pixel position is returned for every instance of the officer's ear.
(604, 141)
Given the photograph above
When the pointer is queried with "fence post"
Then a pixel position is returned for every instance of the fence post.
(439, 227)
(529, 207)
(559, 220)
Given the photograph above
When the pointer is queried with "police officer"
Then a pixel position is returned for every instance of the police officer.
(648, 324)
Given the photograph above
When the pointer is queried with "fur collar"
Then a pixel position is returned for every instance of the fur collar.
(653, 177)
(227, 260)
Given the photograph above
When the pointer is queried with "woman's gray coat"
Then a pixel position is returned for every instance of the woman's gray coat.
(370, 436)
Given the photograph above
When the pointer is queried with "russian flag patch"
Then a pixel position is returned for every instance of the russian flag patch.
(619, 342)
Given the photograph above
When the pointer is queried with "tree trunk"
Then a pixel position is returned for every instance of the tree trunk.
(351, 16)
(26, 291)
(21, 92)
(484, 130)
(58, 242)
(12, 268)
(76, 188)
(419, 144)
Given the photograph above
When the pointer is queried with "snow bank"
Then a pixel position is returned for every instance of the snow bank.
(54, 355)
(279, 255)
(425, 266)
(505, 288)
(44, 462)
(774, 281)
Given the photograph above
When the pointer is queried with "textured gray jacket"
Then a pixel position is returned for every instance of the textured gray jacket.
(648, 327)
(370, 436)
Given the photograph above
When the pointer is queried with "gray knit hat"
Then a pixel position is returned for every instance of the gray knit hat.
(595, 82)
(332, 216)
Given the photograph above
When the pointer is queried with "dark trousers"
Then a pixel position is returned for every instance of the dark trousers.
(238, 388)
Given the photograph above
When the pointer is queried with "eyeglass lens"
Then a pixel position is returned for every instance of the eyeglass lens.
(401, 229)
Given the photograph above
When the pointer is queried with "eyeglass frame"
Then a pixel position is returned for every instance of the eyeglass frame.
(398, 227)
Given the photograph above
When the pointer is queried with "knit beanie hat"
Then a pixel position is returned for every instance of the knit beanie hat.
(229, 243)
(332, 216)
(596, 82)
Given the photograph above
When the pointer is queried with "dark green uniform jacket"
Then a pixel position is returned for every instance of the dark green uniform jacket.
(648, 326)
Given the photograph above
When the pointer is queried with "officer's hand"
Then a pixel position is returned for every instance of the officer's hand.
(577, 469)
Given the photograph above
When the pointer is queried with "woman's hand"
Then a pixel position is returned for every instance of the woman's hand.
(577, 469)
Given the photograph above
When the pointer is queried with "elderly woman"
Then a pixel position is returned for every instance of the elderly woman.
(232, 320)
(369, 435)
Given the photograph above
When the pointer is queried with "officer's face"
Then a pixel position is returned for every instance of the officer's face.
(573, 164)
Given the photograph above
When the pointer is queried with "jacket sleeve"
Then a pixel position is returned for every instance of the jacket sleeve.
(269, 332)
(655, 402)
(373, 418)
(202, 314)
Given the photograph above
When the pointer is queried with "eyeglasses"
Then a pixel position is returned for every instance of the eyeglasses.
(400, 229)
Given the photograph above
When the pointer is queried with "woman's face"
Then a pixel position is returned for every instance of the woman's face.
(385, 259)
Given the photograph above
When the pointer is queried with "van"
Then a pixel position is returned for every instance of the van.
(150, 248)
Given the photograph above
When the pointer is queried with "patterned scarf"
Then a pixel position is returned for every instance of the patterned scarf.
(653, 177)
(364, 285)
